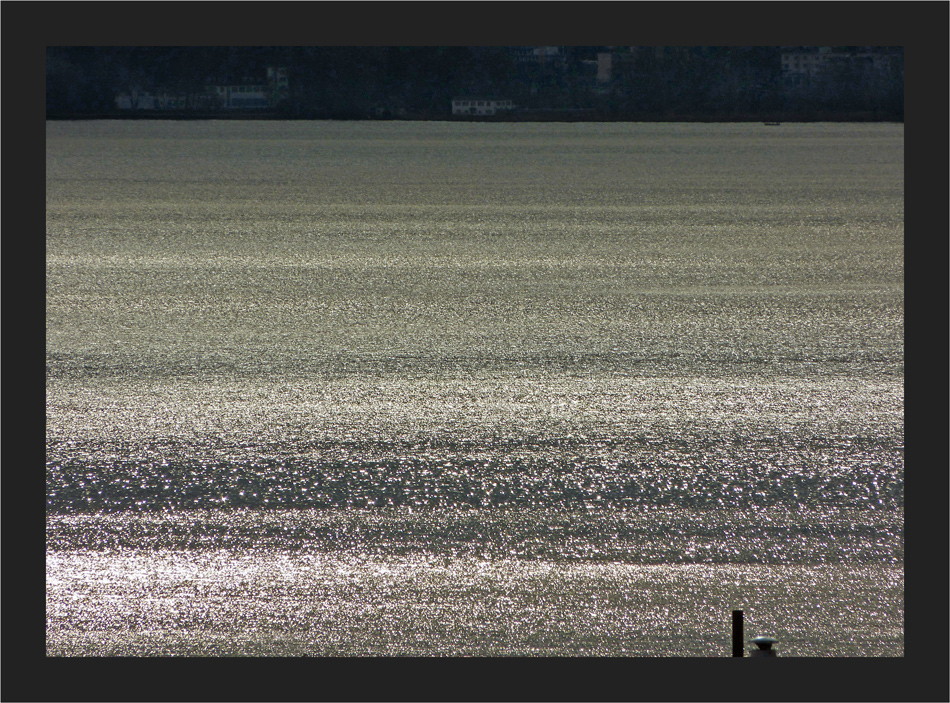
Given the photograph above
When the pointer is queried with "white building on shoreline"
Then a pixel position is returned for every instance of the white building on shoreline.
(247, 95)
(480, 106)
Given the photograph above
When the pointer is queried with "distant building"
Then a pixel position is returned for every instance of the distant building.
(279, 82)
(247, 95)
(619, 61)
(135, 100)
(240, 97)
(800, 61)
(540, 55)
(480, 106)
(142, 100)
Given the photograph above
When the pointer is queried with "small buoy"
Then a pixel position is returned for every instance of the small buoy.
(764, 645)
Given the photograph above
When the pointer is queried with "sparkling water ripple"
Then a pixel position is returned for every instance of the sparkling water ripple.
(373, 389)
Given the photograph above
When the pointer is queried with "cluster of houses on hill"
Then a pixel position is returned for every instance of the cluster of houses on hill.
(246, 95)
(798, 66)
(814, 60)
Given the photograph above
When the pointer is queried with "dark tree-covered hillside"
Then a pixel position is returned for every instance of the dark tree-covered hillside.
(420, 81)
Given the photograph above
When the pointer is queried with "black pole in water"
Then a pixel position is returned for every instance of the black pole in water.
(737, 650)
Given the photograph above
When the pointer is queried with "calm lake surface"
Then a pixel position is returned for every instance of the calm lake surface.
(384, 388)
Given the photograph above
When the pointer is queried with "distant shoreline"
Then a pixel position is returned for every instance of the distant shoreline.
(527, 116)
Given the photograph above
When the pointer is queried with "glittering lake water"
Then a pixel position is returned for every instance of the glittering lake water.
(319, 388)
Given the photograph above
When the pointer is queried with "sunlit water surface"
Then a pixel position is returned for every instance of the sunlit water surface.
(458, 389)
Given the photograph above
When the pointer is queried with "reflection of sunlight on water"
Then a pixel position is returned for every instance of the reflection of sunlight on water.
(253, 603)
(373, 403)
(654, 535)
(359, 442)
